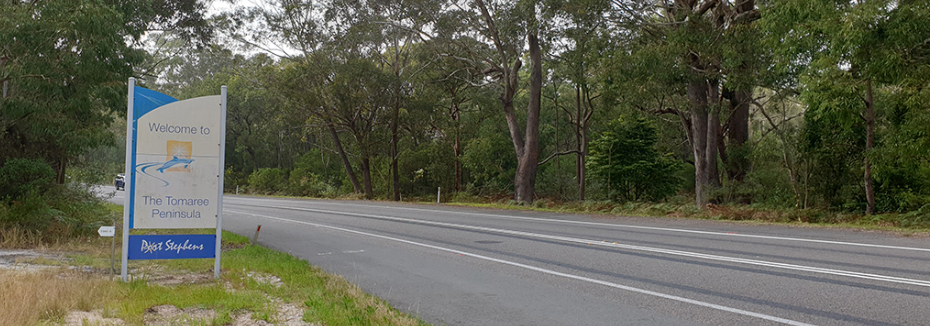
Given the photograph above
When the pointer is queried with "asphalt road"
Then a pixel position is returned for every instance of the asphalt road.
(463, 266)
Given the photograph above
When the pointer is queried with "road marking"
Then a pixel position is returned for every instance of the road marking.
(646, 227)
(874, 277)
(547, 271)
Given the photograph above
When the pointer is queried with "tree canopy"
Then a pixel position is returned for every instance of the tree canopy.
(785, 103)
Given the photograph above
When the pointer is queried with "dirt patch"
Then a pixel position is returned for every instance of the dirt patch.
(22, 260)
(263, 278)
(287, 315)
(186, 279)
(166, 315)
(80, 318)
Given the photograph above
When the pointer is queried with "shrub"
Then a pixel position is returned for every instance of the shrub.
(30, 211)
(268, 181)
(304, 183)
(917, 218)
(491, 164)
(625, 159)
(62, 211)
(19, 176)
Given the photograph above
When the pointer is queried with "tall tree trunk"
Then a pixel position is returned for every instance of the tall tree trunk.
(697, 95)
(395, 172)
(457, 148)
(869, 143)
(253, 158)
(581, 144)
(61, 168)
(345, 159)
(365, 168)
(528, 163)
(737, 163)
(582, 158)
(713, 133)
(527, 152)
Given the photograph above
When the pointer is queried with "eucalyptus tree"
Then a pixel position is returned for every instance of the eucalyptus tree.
(358, 88)
(492, 41)
(455, 87)
(255, 117)
(341, 93)
(63, 66)
(848, 55)
(580, 40)
(389, 31)
(305, 78)
(700, 51)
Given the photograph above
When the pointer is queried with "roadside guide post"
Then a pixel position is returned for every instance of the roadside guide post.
(110, 231)
(174, 176)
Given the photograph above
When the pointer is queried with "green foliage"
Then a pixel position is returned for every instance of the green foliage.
(63, 67)
(307, 177)
(443, 91)
(268, 181)
(626, 159)
(30, 212)
(491, 162)
(61, 212)
(64, 63)
(19, 176)
(842, 53)
(427, 167)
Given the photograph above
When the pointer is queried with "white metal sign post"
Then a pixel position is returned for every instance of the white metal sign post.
(174, 175)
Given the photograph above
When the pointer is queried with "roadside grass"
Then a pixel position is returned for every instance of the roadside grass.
(30, 298)
(254, 280)
(11, 238)
(910, 224)
(331, 299)
(915, 223)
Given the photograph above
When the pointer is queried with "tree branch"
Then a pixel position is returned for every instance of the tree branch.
(660, 111)
(557, 154)
(706, 6)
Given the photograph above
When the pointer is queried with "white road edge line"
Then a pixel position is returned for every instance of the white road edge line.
(644, 227)
(874, 277)
(547, 271)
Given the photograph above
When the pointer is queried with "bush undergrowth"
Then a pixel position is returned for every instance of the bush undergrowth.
(683, 207)
(59, 213)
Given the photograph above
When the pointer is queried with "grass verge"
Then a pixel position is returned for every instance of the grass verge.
(915, 223)
(255, 280)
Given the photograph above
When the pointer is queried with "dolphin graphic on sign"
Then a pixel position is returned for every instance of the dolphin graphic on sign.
(173, 162)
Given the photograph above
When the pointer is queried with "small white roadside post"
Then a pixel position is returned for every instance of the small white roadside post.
(110, 231)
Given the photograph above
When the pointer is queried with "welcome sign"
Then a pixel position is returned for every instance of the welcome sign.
(176, 159)
(174, 175)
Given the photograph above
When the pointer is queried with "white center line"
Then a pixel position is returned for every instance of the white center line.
(547, 271)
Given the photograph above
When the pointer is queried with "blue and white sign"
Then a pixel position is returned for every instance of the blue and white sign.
(174, 175)
(175, 246)
(176, 160)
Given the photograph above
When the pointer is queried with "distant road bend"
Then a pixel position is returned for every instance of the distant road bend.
(462, 266)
